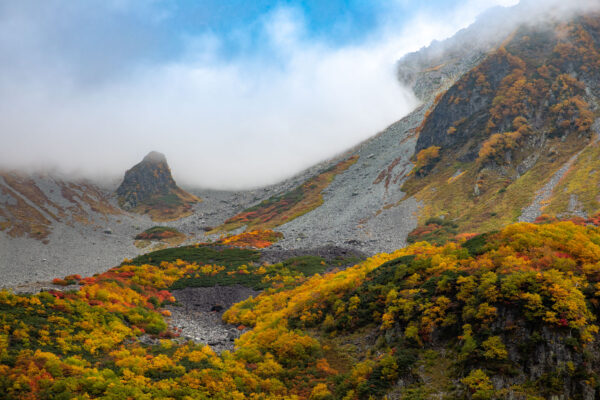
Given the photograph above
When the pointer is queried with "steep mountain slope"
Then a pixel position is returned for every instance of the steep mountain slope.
(149, 188)
(518, 121)
(437, 66)
(51, 223)
(364, 206)
(31, 203)
(338, 204)
(280, 209)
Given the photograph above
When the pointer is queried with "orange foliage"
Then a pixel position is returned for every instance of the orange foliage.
(258, 239)
(278, 210)
(427, 156)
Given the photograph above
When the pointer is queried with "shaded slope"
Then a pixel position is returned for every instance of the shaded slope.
(31, 204)
(501, 132)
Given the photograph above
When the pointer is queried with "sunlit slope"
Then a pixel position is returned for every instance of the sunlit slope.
(506, 314)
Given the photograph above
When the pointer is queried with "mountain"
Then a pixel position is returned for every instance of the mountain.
(52, 222)
(506, 131)
(149, 188)
(477, 307)
(31, 204)
(516, 136)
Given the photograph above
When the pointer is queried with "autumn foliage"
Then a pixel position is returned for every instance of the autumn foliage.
(426, 157)
(87, 343)
(544, 275)
(258, 239)
(158, 233)
(283, 208)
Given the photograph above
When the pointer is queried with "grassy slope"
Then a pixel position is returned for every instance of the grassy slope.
(501, 199)
(237, 266)
(539, 91)
(170, 207)
(200, 254)
(581, 182)
(283, 208)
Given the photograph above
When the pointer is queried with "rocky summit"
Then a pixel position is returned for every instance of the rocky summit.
(149, 178)
(149, 188)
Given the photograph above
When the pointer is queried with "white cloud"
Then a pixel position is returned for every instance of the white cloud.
(239, 122)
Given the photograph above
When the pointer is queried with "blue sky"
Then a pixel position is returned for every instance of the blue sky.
(235, 93)
(97, 37)
(335, 21)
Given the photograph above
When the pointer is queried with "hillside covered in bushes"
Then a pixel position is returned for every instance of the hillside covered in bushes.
(512, 312)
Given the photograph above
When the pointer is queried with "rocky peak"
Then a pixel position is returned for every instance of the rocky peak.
(155, 157)
(145, 180)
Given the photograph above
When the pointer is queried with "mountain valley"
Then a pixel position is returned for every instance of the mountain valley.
(453, 255)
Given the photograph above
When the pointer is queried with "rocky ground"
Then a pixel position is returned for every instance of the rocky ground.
(81, 249)
(44, 286)
(89, 248)
(357, 212)
(534, 210)
(198, 315)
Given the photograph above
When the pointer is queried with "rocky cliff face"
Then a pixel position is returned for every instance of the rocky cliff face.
(149, 188)
(151, 177)
(517, 127)
(529, 76)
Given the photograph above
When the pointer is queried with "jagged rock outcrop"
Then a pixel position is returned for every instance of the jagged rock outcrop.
(149, 188)
(465, 105)
(434, 68)
(149, 178)
(545, 76)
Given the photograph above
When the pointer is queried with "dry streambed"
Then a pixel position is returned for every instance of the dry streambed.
(198, 315)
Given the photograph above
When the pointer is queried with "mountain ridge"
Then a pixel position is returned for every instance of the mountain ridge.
(493, 140)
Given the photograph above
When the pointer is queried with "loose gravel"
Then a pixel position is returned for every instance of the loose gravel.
(357, 212)
(199, 314)
(534, 210)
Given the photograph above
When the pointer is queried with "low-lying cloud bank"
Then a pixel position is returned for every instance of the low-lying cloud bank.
(241, 121)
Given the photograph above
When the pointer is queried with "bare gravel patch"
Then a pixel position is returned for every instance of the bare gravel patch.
(534, 210)
(200, 311)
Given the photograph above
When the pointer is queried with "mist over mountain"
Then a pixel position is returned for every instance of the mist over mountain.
(433, 229)
(292, 102)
